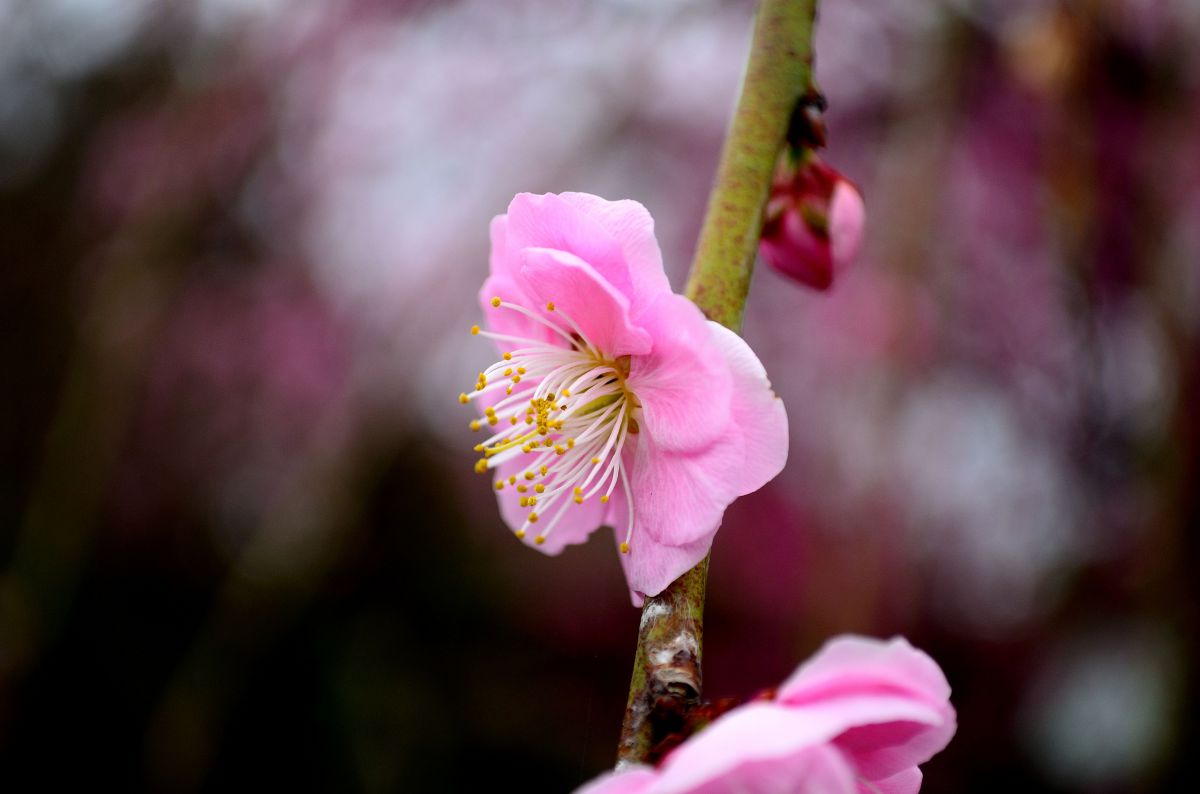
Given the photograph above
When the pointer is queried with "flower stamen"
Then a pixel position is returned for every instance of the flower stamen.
(569, 413)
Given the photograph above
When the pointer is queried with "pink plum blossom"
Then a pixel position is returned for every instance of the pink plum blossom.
(814, 224)
(615, 402)
(858, 717)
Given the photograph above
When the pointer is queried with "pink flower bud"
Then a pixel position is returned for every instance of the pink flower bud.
(814, 224)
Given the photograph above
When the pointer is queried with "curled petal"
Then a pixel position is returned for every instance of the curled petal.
(848, 664)
(759, 747)
(889, 700)
(579, 292)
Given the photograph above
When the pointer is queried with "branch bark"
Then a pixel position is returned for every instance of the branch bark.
(667, 678)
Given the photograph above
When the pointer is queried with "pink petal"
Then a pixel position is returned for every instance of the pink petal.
(550, 221)
(890, 700)
(499, 262)
(905, 782)
(684, 383)
(679, 500)
(882, 734)
(504, 283)
(632, 227)
(631, 780)
(508, 322)
(888, 748)
(847, 217)
(759, 747)
(758, 415)
(576, 524)
(798, 252)
(580, 293)
(849, 663)
(650, 566)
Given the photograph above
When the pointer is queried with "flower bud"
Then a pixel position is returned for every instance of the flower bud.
(813, 225)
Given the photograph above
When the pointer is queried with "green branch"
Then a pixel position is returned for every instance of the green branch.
(666, 672)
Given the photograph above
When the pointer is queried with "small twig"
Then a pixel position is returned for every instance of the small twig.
(666, 681)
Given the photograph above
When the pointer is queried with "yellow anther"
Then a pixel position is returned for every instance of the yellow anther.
(570, 443)
(500, 485)
(489, 411)
(509, 391)
(479, 447)
(551, 397)
(463, 398)
(496, 302)
(548, 443)
(475, 424)
(493, 420)
(550, 306)
(482, 378)
(624, 548)
(566, 393)
(516, 378)
(481, 466)
(578, 500)
(512, 480)
(539, 488)
(522, 488)
(543, 470)
(604, 499)
(560, 450)
(540, 539)
(529, 475)
(474, 330)
(578, 490)
(508, 356)
(533, 517)
(512, 419)
(532, 501)
(523, 501)
(507, 372)
(520, 533)
(595, 461)
(520, 370)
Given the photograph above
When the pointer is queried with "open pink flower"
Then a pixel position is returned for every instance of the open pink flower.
(614, 401)
(858, 717)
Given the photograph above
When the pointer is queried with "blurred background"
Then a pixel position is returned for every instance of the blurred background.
(241, 543)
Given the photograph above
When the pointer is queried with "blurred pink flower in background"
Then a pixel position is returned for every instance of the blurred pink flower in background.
(861, 715)
(608, 378)
(814, 223)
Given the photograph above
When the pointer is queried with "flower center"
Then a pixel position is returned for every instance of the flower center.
(565, 411)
